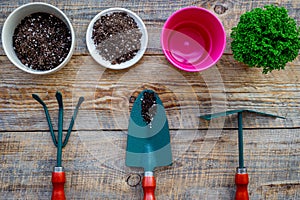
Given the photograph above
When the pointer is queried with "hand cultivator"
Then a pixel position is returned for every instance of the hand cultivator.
(58, 174)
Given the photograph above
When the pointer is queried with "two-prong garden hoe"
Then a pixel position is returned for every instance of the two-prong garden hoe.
(241, 177)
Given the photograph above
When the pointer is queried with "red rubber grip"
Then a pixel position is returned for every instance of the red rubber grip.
(241, 181)
(58, 182)
(149, 185)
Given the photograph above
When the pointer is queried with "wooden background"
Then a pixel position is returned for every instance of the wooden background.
(205, 154)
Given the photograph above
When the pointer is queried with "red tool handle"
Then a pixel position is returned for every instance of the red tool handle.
(241, 181)
(58, 182)
(149, 185)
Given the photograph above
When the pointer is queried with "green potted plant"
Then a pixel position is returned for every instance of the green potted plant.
(266, 38)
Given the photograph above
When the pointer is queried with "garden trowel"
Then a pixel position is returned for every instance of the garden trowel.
(148, 141)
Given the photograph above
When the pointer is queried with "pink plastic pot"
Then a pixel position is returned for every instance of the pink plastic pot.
(193, 39)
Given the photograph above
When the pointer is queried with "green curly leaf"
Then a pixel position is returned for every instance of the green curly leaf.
(266, 38)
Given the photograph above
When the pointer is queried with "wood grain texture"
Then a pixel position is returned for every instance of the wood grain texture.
(154, 14)
(205, 153)
(229, 85)
(199, 170)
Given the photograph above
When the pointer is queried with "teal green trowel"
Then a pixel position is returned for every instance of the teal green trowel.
(148, 141)
(241, 177)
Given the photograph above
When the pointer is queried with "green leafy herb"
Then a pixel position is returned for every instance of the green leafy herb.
(266, 38)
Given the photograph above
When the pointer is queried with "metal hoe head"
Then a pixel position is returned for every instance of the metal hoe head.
(240, 126)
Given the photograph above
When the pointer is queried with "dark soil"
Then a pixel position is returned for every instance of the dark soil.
(148, 106)
(42, 41)
(117, 37)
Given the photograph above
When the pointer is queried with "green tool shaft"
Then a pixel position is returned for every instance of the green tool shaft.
(60, 130)
(240, 140)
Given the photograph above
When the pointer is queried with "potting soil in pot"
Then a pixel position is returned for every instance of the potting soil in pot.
(42, 41)
(117, 37)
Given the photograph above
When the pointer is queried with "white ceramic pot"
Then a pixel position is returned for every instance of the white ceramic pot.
(92, 47)
(15, 18)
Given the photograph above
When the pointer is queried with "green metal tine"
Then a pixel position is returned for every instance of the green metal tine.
(38, 99)
(81, 99)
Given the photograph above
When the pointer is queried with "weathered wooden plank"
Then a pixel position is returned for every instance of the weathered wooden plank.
(203, 168)
(229, 85)
(205, 156)
(154, 13)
